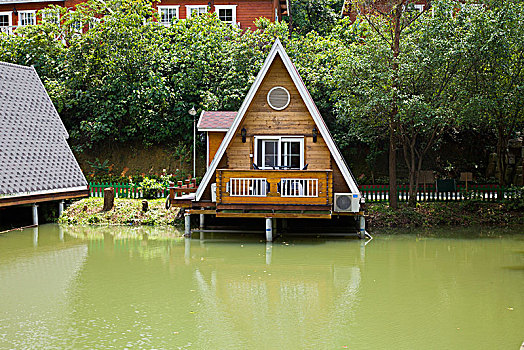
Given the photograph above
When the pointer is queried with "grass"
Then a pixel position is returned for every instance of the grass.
(125, 212)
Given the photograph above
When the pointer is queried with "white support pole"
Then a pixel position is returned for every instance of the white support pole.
(202, 221)
(362, 228)
(35, 236)
(35, 214)
(187, 224)
(60, 208)
(269, 229)
(60, 233)
(187, 250)
(194, 146)
(269, 251)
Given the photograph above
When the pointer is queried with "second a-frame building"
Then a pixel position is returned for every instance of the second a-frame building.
(275, 157)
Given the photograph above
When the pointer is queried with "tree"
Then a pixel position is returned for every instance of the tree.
(388, 20)
(415, 99)
(315, 15)
(494, 89)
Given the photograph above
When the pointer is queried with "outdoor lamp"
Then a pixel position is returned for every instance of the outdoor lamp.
(243, 132)
(15, 12)
(315, 133)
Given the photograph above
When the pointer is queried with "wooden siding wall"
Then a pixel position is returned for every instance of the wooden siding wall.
(339, 183)
(260, 119)
(247, 10)
(215, 139)
(27, 7)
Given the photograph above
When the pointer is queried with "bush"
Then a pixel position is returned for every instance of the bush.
(150, 188)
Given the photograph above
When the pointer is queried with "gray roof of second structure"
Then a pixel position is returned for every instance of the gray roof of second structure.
(34, 154)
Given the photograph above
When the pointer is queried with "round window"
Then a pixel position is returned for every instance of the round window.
(278, 98)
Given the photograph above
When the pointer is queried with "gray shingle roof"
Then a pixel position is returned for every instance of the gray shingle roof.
(217, 120)
(34, 154)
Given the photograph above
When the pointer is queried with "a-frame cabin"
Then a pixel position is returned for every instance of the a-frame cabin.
(275, 157)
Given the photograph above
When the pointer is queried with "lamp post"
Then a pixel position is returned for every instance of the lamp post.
(193, 113)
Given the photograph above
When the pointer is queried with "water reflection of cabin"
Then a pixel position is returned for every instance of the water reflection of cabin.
(275, 157)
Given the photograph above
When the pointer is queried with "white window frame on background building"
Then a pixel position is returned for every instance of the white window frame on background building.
(24, 16)
(93, 22)
(9, 27)
(201, 9)
(419, 7)
(173, 7)
(50, 16)
(233, 9)
(280, 140)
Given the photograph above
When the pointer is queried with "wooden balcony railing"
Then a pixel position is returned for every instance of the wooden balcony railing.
(279, 187)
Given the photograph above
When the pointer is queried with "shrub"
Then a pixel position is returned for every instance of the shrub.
(150, 188)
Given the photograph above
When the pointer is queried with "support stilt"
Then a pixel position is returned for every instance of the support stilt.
(275, 226)
(269, 229)
(269, 251)
(362, 228)
(60, 233)
(187, 224)
(35, 214)
(187, 250)
(35, 236)
(202, 221)
(60, 208)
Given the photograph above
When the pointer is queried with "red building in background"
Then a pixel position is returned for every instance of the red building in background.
(241, 13)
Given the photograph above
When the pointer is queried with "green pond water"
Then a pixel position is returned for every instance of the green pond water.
(102, 288)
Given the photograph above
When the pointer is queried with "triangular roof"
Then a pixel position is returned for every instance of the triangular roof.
(34, 155)
(310, 104)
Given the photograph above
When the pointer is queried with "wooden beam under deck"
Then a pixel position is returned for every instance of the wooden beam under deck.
(39, 198)
(273, 215)
(202, 211)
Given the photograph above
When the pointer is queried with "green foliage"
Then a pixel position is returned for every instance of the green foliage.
(315, 15)
(128, 78)
(515, 198)
(150, 188)
(99, 169)
(125, 212)
(433, 214)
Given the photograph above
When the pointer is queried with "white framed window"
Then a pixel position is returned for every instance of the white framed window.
(168, 14)
(76, 27)
(279, 152)
(6, 22)
(419, 7)
(195, 10)
(50, 16)
(227, 13)
(93, 22)
(26, 18)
